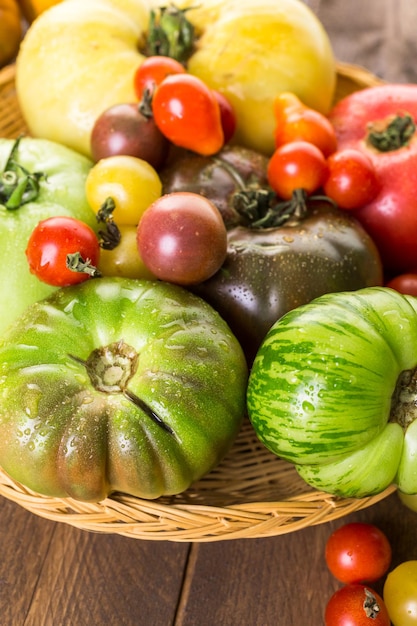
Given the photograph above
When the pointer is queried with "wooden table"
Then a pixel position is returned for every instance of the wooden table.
(52, 574)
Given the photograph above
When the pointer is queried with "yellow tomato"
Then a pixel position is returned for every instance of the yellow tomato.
(400, 594)
(132, 183)
(78, 58)
(124, 259)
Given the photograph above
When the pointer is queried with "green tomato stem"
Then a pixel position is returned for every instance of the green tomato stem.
(392, 134)
(170, 34)
(110, 368)
(17, 185)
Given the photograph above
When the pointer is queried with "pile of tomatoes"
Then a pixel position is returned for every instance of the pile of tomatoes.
(181, 237)
(358, 554)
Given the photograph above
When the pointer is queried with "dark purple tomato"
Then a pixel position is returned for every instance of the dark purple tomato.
(182, 238)
(227, 179)
(123, 129)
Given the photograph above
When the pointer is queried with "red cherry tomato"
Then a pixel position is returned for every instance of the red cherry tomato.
(153, 71)
(227, 116)
(49, 245)
(297, 122)
(296, 165)
(358, 552)
(352, 181)
(186, 111)
(356, 605)
(182, 238)
(404, 283)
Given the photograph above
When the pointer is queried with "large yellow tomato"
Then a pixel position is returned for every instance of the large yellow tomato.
(78, 58)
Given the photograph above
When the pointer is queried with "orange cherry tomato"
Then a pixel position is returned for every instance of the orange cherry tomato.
(295, 122)
(153, 71)
(296, 165)
(187, 112)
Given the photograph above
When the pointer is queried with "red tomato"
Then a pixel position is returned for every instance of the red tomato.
(362, 121)
(356, 605)
(186, 111)
(358, 552)
(296, 165)
(297, 122)
(404, 283)
(182, 238)
(227, 116)
(153, 71)
(59, 243)
(351, 181)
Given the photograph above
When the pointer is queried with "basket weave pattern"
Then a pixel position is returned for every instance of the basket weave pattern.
(250, 494)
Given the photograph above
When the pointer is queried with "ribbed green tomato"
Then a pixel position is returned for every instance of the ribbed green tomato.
(333, 390)
(118, 385)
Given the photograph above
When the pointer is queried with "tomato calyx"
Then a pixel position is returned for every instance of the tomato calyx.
(403, 404)
(111, 236)
(261, 209)
(110, 368)
(370, 605)
(17, 185)
(76, 263)
(393, 133)
(170, 34)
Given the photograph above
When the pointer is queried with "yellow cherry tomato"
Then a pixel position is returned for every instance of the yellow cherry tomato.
(124, 259)
(400, 594)
(132, 183)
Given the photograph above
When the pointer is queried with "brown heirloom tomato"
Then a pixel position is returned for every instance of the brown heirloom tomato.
(280, 254)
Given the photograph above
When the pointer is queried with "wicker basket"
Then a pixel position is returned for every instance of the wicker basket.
(250, 494)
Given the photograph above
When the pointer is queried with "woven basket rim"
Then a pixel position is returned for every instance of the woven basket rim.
(210, 510)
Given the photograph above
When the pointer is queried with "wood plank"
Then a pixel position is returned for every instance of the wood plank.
(24, 542)
(90, 579)
(282, 580)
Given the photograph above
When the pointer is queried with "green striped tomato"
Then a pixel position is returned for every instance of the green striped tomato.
(333, 390)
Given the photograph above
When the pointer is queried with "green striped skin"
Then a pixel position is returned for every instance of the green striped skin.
(320, 391)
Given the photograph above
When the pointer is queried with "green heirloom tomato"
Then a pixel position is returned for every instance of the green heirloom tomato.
(38, 179)
(333, 390)
(118, 385)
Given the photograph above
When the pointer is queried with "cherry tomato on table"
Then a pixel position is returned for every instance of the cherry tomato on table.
(49, 245)
(356, 605)
(296, 165)
(182, 238)
(358, 552)
(132, 184)
(352, 181)
(400, 594)
(187, 112)
(297, 122)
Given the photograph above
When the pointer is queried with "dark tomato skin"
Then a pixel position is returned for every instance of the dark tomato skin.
(182, 238)
(50, 243)
(124, 130)
(356, 605)
(270, 271)
(218, 178)
(358, 552)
